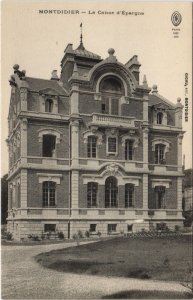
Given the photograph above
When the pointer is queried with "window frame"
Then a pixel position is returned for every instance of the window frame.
(159, 155)
(52, 149)
(160, 116)
(129, 149)
(129, 193)
(50, 105)
(46, 191)
(112, 228)
(116, 145)
(160, 191)
(92, 194)
(91, 147)
(47, 225)
(111, 193)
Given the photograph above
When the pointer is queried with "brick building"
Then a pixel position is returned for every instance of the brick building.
(92, 150)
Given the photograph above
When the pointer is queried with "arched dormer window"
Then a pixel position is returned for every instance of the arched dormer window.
(159, 118)
(49, 105)
(111, 89)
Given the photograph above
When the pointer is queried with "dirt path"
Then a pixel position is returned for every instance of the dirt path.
(23, 278)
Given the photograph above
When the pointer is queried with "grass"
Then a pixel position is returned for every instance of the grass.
(167, 258)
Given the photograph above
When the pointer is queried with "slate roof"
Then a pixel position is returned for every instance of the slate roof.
(81, 51)
(156, 99)
(37, 84)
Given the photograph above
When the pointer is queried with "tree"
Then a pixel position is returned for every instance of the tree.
(4, 198)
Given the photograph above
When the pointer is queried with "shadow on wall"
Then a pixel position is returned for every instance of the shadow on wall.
(154, 294)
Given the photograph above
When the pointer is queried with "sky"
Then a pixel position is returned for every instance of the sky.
(37, 41)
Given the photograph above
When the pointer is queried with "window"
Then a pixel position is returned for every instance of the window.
(114, 106)
(49, 144)
(92, 228)
(112, 228)
(49, 227)
(159, 118)
(129, 150)
(18, 194)
(129, 195)
(91, 146)
(159, 154)
(111, 191)
(48, 105)
(130, 227)
(112, 145)
(160, 197)
(49, 193)
(92, 194)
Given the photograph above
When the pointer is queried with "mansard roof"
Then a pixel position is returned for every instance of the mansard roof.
(81, 51)
(37, 84)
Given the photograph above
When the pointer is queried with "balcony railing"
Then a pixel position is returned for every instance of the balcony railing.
(118, 121)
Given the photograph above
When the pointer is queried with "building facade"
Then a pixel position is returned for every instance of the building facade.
(92, 150)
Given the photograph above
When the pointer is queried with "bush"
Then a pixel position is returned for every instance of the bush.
(80, 234)
(177, 228)
(188, 215)
(61, 235)
(9, 236)
(99, 233)
(87, 234)
(33, 237)
(74, 236)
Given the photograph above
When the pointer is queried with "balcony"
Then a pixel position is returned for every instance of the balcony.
(113, 121)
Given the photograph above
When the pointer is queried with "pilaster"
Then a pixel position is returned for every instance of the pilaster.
(179, 193)
(74, 99)
(74, 142)
(75, 189)
(145, 191)
(23, 192)
(24, 140)
(180, 137)
(145, 145)
(23, 98)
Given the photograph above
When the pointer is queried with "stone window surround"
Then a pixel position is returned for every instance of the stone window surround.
(161, 182)
(164, 119)
(50, 131)
(49, 177)
(94, 133)
(43, 97)
(111, 133)
(162, 141)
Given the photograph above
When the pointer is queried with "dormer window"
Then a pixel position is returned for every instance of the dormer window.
(49, 105)
(159, 118)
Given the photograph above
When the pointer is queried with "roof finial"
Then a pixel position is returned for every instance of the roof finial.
(81, 33)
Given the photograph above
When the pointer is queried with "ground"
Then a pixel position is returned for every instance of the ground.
(24, 278)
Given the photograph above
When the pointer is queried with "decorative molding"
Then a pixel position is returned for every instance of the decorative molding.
(130, 136)
(51, 131)
(97, 96)
(93, 132)
(49, 177)
(161, 141)
(161, 182)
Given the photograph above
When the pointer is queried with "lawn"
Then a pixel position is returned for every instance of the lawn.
(166, 258)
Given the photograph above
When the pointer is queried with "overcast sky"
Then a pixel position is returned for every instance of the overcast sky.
(37, 41)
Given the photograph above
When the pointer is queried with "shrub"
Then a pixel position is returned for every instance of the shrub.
(99, 233)
(74, 236)
(143, 230)
(9, 236)
(188, 215)
(61, 235)
(33, 237)
(177, 228)
(87, 234)
(80, 234)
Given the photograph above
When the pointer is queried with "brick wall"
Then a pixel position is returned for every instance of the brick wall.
(171, 156)
(35, 147)
(133, 109)
(88, 105)
(34, 190)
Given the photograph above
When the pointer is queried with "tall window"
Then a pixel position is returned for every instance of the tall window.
(92, 194)
(48, 105)
(129, 150)
(129, 195)
(111, 191)
(49, 193)
(49, 144)
(91, 146)
(160, 197)
(112, 145)
(18, 194)
(159, 154)
(159, 118)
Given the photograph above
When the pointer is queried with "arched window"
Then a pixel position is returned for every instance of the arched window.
(159, 118)
(160, 197)
(49, 193)
(111, 191)
(129, 150)
(49, 145)
(48, 105)
(92, 194)
(91, 146)
(129, 195)
(160, 154)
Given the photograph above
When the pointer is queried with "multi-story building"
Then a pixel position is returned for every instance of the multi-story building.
(92, 150)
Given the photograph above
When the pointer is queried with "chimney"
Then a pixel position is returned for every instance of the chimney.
(54, 75)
